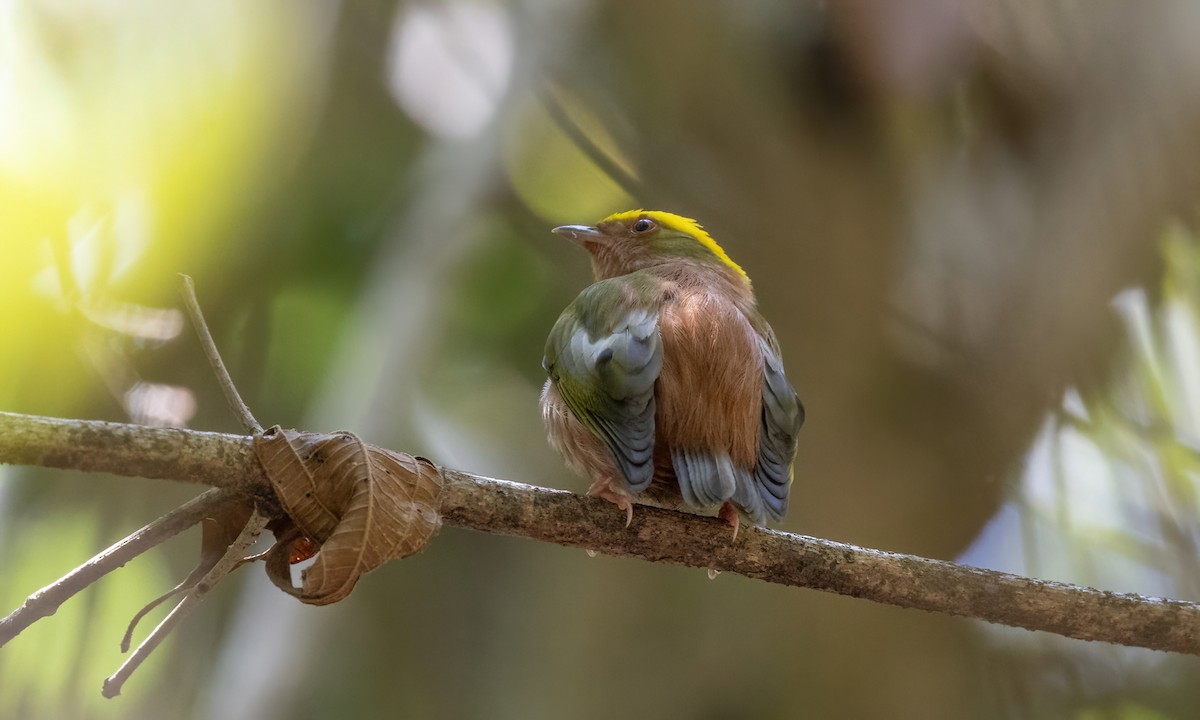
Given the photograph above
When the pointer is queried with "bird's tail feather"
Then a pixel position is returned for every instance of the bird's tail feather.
(707, 480)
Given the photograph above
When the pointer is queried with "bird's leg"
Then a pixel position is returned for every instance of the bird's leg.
(730, 514)
(603, 488)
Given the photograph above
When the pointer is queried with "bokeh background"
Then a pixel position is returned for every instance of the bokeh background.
(969, 222)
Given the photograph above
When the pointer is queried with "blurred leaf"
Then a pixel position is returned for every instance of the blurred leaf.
(551, 174)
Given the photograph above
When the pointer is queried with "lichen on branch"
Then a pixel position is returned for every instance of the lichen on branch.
(511, 508)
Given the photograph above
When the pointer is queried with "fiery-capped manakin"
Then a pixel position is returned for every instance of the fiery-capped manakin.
(665, 383)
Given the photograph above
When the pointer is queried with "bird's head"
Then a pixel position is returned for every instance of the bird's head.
(641, 239)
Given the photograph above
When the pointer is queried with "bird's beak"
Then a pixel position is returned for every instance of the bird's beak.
(578, 234)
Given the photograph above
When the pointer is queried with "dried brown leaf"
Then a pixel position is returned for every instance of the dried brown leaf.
(218, 531)
(362, 504)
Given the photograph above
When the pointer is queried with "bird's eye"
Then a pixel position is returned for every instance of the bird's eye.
(643, 225)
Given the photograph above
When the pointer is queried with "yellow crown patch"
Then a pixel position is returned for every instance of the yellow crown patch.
(685, 225)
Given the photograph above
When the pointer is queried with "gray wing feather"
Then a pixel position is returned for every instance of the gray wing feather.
(607, 380)
(782, 416)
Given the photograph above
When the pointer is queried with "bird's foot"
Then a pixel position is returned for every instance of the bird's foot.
(730, 514)
(604, 489)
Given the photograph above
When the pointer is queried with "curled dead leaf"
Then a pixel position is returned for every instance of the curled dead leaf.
(363, 505)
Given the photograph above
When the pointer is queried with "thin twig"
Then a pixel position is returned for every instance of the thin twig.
(232, 396)
(183, 586)
(610, 167)
(45, 602)
(509, 508)
(230, 560)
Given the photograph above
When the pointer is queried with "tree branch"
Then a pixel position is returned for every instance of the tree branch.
(46, 601)
(229, 561)
(233, 398)
(509, 508)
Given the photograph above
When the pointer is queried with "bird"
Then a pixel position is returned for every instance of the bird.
(665, 385)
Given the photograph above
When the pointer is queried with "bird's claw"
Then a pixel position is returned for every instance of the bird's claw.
(604, 490)
(730, 514)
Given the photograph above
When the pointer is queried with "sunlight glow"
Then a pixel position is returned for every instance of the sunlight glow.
(130, 134)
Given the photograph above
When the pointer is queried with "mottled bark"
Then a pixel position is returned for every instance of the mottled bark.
(509, 508)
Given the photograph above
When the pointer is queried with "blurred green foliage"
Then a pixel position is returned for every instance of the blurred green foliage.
(969, 223)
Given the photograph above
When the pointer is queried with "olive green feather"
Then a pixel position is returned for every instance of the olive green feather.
(604, 355)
